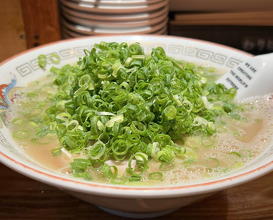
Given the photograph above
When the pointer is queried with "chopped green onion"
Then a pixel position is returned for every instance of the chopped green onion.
(56, 151)
(42, 61)
(110, 171)
(55, 58)
(21, 134)
(111, 122)
(96, 150)
(155, 176)
(170, 112)
(80, 165)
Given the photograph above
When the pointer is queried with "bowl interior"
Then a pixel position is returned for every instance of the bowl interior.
(23, 68)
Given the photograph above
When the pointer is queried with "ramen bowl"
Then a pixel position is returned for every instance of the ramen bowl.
(128, 201)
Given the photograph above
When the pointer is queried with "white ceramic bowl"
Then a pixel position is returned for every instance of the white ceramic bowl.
(130, 201)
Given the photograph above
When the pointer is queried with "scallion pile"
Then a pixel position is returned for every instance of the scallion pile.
(120, 104)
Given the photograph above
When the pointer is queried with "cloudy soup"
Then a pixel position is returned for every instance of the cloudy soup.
(121, 116)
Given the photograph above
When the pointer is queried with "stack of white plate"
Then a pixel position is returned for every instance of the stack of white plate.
(104, 17)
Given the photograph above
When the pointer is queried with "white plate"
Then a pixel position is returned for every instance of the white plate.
(97, 31)
(71, 34)
(116, 17)
(67, 33)
(115, 24)
(119, 2)
(114, 9)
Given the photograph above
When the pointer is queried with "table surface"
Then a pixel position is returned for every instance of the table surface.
(24, 198)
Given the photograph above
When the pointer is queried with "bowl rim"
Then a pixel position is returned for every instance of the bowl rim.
(87, 187)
